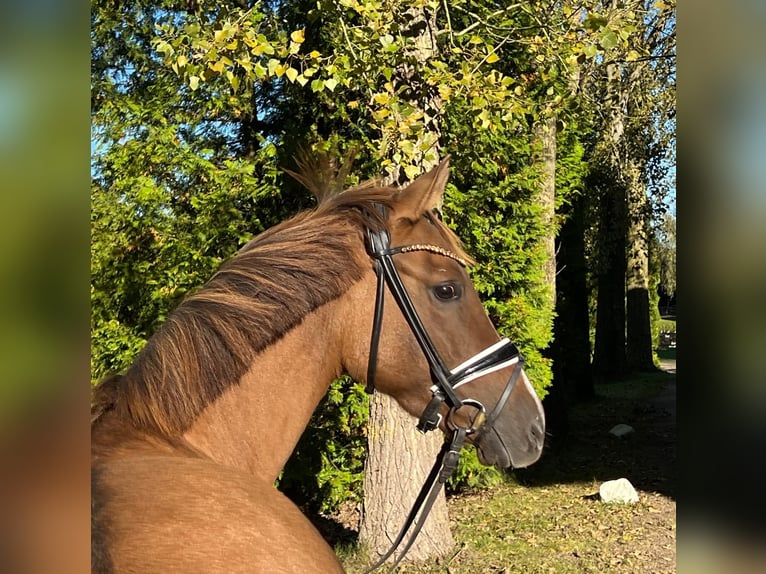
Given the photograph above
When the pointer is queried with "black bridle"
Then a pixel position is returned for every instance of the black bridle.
(445, 381)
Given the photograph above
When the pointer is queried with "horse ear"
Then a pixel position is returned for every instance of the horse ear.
(425, 193)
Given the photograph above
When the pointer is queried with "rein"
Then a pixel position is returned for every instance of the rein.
(498, 356)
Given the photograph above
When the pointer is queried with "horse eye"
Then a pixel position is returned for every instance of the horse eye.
(447, 291)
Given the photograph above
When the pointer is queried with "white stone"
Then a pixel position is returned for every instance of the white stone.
(621, 430)
(619, 490)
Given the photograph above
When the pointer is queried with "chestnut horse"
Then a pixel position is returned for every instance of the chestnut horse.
(187, 443)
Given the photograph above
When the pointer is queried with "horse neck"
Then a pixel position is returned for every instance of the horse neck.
(255, 425)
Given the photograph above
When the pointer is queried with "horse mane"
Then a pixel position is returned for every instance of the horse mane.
(210, 340)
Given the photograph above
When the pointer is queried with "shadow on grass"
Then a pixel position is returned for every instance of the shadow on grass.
(588, 453)
(667, 354)
(646, 457)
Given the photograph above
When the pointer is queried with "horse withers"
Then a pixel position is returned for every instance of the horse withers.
(187, 443)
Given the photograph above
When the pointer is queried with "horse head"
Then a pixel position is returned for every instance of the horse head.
(434, 349)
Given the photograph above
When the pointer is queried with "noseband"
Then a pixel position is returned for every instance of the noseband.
(445, 381)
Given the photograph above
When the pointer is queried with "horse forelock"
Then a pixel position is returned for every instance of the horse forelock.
(209, 341)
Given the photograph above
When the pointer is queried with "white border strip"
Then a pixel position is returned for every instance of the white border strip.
(489, 350)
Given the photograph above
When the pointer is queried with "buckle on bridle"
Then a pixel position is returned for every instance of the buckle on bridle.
(431, 417)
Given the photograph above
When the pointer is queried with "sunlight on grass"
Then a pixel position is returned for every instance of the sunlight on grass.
(548, 519)
(561, 529)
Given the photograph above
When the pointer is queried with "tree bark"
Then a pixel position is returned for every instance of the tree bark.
(398, 461)
(639, 346)
(555, 402)
(571, 367)
(546, 199)
(609, 360)
(639, 332)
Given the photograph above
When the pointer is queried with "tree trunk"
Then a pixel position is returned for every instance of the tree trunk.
(546, 199)
(571, 368)
(398, 461)
(555, 402)
(570, 348)
(399, 457)
(639, 332)
(609, 360)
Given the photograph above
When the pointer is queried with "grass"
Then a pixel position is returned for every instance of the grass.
(548, 519)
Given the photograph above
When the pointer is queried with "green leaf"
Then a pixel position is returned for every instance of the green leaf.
(330, 84)
(407, 147)
(163, 47)
(608, 40)
(411, 171)
(317, 85)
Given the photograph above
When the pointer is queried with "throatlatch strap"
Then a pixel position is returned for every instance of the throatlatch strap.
(377, 321)
(445, 465)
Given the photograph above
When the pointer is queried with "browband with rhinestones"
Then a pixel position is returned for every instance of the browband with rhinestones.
(432, 249)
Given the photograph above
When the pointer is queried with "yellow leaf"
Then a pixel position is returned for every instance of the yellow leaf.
(291, 74)
(381, 98)
(193, 82)
(297, 36)
(272, 66)
(182, 61)
(314, 54)
(330, 84)
(233, 80)
(492, 58)
(281, 69)
(260, 71)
